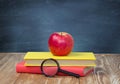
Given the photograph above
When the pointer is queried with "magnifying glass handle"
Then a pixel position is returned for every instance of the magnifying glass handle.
(69, 73)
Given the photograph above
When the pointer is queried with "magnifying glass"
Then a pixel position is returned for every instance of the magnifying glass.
(51, 71)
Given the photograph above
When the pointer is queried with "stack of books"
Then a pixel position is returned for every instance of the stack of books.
(81, 63)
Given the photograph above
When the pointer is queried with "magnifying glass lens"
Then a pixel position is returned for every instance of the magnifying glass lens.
(50, 68)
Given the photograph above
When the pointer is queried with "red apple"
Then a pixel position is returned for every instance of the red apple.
(60, 43)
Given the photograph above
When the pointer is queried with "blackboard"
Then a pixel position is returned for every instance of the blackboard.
(25, 25)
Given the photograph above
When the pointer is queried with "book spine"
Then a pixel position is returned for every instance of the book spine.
(20, 68)
(24, 69)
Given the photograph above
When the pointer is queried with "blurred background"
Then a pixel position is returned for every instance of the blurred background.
(25, 25)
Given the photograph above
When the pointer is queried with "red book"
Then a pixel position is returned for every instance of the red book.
(81, 70)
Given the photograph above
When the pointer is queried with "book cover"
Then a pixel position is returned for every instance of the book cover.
(73, 59)
(81, 70)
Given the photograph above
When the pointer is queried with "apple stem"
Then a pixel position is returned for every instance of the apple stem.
(61, 33)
